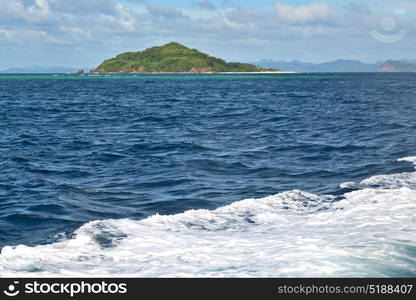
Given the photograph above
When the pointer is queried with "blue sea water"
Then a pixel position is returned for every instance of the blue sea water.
(208, 175)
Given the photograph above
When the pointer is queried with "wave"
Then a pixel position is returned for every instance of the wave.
(367, 232)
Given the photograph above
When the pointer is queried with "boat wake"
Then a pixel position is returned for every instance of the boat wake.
(369, 231)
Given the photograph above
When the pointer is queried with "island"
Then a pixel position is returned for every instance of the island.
(173, 58)
(398, 66)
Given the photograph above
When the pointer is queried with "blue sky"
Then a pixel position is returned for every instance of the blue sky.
(84, 32)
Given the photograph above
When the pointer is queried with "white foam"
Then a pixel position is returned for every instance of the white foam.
(411, 159)
(370, 232)
(388, 181)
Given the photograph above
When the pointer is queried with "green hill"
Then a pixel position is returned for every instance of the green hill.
(174, 58)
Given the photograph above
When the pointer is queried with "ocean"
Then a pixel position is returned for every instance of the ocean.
(259, 175)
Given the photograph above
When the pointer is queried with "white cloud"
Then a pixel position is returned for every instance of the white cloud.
(40, 9)
(304, 14)
(107, 27)
(205, 4)
(125, 18)
(76, 33)
(250, 42)
(90, 7)
(164, 11)
(5, 34)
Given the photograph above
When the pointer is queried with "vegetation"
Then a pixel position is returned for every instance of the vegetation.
(172, 57)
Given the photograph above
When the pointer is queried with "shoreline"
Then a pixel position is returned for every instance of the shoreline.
(187, 73)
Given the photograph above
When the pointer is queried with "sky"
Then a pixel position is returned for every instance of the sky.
(82, 33)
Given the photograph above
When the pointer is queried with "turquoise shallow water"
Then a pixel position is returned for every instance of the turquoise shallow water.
(161, 76)
(120, 150)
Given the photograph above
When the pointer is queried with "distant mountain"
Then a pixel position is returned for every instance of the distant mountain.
(295, 65)
(39, 69)
(172, 58)
(398, 66)
(340, 65)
